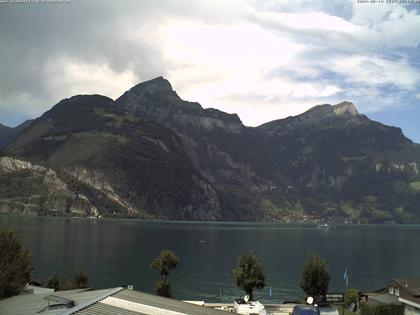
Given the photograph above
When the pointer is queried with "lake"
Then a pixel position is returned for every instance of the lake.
(119, 252)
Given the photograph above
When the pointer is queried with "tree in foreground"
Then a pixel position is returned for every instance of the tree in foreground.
(249, 274)
(164, 263)
(15, 271)
(315, 277)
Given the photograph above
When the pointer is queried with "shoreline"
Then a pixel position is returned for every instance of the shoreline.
(199, 222)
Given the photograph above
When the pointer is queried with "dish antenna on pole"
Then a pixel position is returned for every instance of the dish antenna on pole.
(310, 300)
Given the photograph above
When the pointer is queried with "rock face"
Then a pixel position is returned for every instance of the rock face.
(150, 154)
(156, 100)
(26, 188)
(320, 116)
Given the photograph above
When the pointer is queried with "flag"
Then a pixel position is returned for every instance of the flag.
(346, 277)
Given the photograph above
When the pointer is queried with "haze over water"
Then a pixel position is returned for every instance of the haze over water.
(119, 252)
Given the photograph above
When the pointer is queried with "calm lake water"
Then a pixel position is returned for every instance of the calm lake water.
(118, 252)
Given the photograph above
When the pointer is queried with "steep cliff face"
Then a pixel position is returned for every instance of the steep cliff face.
(27, 188)
(155, 100)
(220, 146)
(121, 163)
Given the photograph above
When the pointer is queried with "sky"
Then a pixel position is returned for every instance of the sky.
(263, 60)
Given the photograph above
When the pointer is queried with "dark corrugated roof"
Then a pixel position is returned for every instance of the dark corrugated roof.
(412, 285)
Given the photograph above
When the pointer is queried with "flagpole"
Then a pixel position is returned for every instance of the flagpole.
(346, 277)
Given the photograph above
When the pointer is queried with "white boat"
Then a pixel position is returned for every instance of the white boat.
(323, 226)
(246, 307)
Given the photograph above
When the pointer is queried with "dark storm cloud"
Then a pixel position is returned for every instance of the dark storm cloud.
(33, 35)
(120, 34)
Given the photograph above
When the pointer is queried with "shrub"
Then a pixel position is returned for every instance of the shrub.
(14, 263)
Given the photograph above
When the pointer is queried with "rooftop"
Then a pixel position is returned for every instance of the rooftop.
(383, 299)
(102, 302)
(411, 285)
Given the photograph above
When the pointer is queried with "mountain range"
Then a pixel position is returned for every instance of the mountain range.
(151, 155)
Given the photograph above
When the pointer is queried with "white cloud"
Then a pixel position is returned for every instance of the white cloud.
(370, 15)
(226, 48)
(369, 29)
(257, 113)
(313, 22)
(239, 67)
(392, 25)
(371, 99)
(375, 71)
(68, 76)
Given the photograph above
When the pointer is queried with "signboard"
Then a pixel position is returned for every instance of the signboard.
(335, 297)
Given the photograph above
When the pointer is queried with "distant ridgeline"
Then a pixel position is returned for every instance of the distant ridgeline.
(149, 154)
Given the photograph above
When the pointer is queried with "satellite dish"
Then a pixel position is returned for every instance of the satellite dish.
(246, 298)
(310, 300)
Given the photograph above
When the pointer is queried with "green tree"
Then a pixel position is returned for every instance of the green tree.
(164, 263)
(53, 282)
(15, 270)
(315, 277)
(249, 273)
(163, 288)
(80, 280)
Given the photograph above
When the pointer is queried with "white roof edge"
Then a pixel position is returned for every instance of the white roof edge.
(139, 307)
(86, 304)
(405, 301)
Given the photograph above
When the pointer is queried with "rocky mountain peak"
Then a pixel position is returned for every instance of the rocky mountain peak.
(155, 100)
(345, 109)
(158, 84)
(319, 116)
(326, 113)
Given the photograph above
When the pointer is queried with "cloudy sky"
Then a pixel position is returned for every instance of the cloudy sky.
(261, 59)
